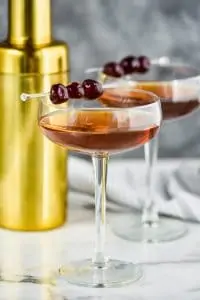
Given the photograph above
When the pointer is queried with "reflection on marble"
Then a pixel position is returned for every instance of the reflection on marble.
(22, 291)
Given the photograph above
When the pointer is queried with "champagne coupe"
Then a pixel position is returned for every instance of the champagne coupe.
(88, 127)
(178, 87)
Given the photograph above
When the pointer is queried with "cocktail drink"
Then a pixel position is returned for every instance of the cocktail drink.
(178, 87)
(176, 100)
(73, 118)
(97, 131)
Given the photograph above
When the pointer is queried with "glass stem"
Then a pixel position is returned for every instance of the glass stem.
(100, 174)
(150, 215)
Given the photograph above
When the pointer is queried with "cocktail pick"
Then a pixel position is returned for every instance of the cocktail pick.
(120, 83)
(26, 96)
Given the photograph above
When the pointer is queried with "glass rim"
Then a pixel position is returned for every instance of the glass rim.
(154, 97)
(174, 64)
(155, 64)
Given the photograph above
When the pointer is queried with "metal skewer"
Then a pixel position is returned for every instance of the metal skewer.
(26, 96)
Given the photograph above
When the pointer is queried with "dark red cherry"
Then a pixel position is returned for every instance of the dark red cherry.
(58, 93)
(75, 90)
(129, 64)
(144, 64)
(113, 69)
(92, 89)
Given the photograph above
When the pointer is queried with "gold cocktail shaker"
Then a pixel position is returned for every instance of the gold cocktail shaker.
(33, 182)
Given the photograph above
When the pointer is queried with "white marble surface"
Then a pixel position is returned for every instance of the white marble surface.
(171, 270)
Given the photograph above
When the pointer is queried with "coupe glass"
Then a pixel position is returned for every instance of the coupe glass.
(178, 87)
(90, 128)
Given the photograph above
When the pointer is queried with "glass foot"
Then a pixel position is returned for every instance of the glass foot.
(114, 273)
(131, 228)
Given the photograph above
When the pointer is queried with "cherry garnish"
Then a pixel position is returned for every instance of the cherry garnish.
(129, 64)
(144, 64)
(75, 90)
(58, 94)
(89, 89)
(113, 69)
(92, 89)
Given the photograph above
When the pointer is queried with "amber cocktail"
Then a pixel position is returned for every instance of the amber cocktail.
(178, 87)
(85, 125)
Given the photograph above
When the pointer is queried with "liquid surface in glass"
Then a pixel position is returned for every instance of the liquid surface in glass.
(99, 130)
(177, 87)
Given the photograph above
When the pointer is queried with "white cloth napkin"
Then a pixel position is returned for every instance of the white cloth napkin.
(126, 189)
(184, 187)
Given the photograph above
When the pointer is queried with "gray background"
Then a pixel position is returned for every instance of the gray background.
(101, 30)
